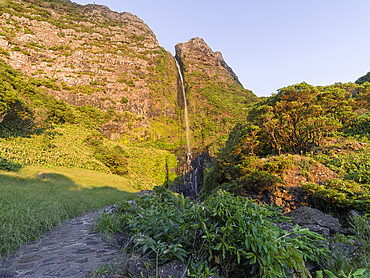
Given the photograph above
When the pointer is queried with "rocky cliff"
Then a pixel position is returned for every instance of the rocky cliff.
(90, 55)
(217, 100)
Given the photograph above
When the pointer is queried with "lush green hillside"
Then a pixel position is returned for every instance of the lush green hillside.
(37, 129)
(327, 126)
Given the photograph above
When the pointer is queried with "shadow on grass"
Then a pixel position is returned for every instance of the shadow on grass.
(55, 185)
(30, 206)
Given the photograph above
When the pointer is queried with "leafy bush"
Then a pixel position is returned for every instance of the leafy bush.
(338, 194)
(229, 235)
(15, 48)
(124, 100)
(114, 158)
(237, 166)
(363, 79)
(7, 165)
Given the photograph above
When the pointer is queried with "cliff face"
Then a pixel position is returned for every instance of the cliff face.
(90, 55)
(217, 100)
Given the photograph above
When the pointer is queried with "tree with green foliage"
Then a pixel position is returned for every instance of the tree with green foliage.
(363, 79)
(298, 117)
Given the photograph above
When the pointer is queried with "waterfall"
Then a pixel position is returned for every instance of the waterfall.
(188, 159)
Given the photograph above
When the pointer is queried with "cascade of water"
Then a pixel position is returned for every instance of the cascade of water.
(196, 176)
(188, 160)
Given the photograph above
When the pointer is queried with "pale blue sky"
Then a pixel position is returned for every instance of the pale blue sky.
(268, 43)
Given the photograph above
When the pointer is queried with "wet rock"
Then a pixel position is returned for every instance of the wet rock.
(191, 183)
(69, 250)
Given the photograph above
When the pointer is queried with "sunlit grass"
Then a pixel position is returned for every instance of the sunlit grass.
(65, 146)
(31, 203)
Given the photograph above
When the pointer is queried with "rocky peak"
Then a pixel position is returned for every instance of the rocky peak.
(196, 53)
(229, 69)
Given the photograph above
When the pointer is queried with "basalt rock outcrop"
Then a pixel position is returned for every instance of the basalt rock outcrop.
(315, 220)
(191, 177)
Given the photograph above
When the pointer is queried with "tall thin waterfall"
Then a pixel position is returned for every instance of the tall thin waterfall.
(188, 160)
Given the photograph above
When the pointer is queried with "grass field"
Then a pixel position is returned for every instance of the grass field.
(31, 204)
(65, 146)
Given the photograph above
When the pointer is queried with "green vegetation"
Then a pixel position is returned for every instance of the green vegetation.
(363, 79)
(257, 143)
(129, 82)
(297, 120)
(227, 97)
(69, 146)
(224, 235)
(124, 100)
(37, 129)
(32, 203)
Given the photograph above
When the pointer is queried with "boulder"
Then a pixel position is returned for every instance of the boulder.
(174, 269)
(138, 268)
(113, 209)
(315, 220)
(146, 192)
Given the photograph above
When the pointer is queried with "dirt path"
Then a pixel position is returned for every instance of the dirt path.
(70, 250)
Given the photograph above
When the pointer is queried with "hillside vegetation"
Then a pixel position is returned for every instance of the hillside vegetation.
(322, 126)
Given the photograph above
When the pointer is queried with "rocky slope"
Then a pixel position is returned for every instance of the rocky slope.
(90, 55)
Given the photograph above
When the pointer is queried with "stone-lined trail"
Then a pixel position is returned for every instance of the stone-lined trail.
(70, 250)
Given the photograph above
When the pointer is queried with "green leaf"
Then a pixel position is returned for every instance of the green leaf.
(329, 273)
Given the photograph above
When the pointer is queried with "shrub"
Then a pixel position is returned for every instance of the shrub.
(338, 194)
(124, 100)
(115, 158)
(28, 31)
(7, 165)
(229, 235)
(16, 48)
(4, 52)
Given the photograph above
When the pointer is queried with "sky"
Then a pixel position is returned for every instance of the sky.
(269, 44)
